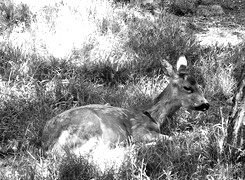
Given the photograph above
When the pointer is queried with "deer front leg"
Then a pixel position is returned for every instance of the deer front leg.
(152, 137)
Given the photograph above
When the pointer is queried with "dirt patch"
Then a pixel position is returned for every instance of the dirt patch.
(221, 36)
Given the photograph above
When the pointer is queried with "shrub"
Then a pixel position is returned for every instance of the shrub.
(182, 7)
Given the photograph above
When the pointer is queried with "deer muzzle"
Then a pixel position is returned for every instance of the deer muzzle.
(202, 107)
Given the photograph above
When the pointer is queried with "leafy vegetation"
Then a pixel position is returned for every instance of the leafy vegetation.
(66, 54)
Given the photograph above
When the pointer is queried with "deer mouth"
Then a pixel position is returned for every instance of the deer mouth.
(202, 107)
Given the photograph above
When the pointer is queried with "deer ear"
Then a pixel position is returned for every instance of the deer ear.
(181, 62)
(168, 68)
(182, 66)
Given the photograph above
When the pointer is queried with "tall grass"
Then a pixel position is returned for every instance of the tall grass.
(56, 55)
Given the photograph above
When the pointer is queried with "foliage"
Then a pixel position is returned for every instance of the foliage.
(112, 55)
(12, 15)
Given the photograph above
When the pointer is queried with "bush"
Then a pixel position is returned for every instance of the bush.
(182, 7)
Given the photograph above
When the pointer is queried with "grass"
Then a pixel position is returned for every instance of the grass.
(61, 54)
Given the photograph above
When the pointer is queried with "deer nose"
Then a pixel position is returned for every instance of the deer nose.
(205, 106)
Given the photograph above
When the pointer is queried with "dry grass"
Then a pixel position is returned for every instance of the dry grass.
(55, 55)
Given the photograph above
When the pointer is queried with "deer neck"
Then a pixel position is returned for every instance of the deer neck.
(164, 106)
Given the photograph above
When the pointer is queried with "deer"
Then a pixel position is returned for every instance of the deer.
(75, 127)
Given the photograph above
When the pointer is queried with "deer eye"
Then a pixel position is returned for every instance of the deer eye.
(188, 89)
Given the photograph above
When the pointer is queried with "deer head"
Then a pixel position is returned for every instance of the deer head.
(183, 88)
